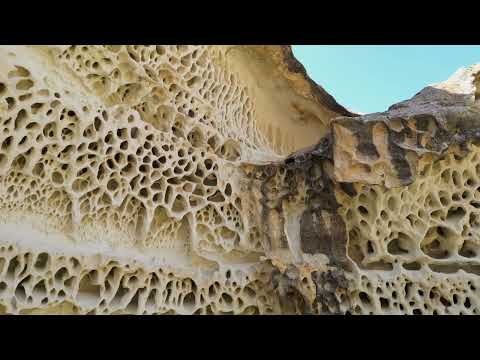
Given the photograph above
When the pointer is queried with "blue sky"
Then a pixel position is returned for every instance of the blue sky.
(368, 79)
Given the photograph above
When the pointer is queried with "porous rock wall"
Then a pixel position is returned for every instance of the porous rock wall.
(222, 180)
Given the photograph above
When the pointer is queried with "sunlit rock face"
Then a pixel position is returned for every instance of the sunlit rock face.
(222, 180)
(391, 203)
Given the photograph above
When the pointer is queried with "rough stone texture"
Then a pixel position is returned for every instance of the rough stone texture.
(223, 180)
(392, 200)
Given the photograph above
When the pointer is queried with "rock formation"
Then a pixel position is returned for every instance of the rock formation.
(223, 180)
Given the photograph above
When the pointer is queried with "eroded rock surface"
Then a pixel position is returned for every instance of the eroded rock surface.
(222, 180)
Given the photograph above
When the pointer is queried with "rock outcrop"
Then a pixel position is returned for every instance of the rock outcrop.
(223, 180)
(391, 202)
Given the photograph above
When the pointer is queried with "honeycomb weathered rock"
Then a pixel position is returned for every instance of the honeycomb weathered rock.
(158, 180)
(392, 200)
(120, 186)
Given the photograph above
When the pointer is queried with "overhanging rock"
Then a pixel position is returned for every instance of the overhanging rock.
(223, 180)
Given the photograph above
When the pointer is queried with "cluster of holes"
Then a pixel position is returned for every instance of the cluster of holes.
(428, 232)
(433, 222)
(39, 280)
(115, 170)
(20, 193)
(166, 82)
(403, 294)
(149, 172)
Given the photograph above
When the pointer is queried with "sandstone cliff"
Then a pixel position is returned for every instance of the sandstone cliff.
(223, 180)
